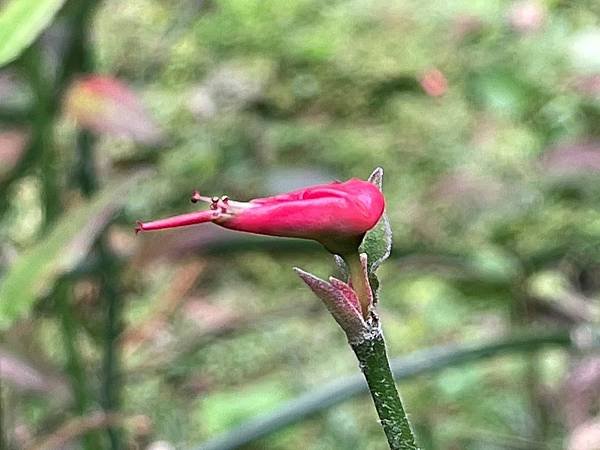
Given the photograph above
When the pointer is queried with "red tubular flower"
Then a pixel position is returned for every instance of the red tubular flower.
(336, 214)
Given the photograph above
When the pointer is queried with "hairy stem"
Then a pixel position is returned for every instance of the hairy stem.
(373, 361)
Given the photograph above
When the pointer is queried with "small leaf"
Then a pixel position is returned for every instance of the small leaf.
(35, 271)
(374, 283)
(377, 243)
(342, 310)
(21, 22)
(342, 267)
(377, 178)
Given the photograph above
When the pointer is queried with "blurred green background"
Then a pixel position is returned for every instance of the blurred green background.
(485, 116)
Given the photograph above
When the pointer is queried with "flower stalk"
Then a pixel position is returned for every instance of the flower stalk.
(373, 361)
(354, 309)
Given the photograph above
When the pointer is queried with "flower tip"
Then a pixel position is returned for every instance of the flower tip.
(139, 226)
(311, 280)
(376, 177)
(299, 271)
(195, 197)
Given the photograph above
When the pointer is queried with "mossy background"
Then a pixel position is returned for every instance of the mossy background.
(492, 191)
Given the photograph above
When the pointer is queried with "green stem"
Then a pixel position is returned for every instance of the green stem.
(43, 136)
(84, 171)
(74, 365)
(85, 174)
(373, 361)
(111, 370)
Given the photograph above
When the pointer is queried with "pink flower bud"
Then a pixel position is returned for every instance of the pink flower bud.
(336, 214)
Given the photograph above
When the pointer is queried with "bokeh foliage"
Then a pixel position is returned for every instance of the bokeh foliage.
(492, 193)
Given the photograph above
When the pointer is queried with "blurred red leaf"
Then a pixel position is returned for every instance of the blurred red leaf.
(106, 105)
(12, 145)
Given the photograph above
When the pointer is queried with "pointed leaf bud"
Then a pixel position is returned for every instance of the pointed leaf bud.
(343, 310)
(377, 243)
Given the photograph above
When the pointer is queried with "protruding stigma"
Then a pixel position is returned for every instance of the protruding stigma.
(178, 221)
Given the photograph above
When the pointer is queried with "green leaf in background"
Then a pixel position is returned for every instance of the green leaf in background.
(377, 243)
(21, 22)
(34, 272)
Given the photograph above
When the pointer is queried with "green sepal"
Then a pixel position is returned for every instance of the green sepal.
(377, 243)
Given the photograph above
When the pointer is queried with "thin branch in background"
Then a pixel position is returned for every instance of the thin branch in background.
(111, 371)
(538, 410)
(74, 364)
(85, 166)
(14, 117)
(109, 272)
(79, 59)
(403, 368)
